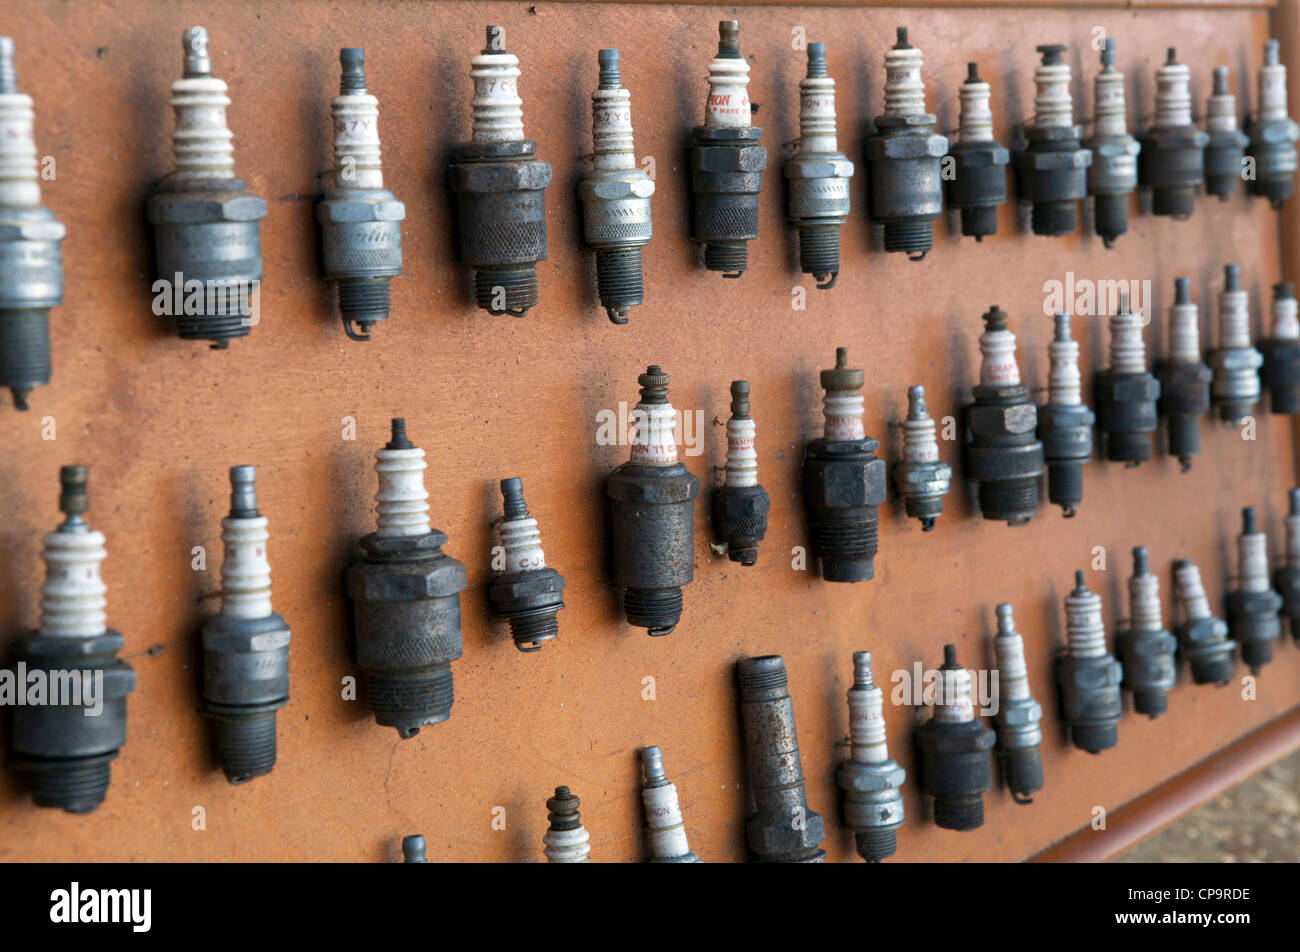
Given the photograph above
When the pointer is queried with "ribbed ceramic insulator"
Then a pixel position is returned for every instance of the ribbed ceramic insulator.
(202, 141)
(1053, 104)
(1144, 602)
(998, 367)
(1184, 334)
(653, 442)
(1252, 562)
(1110, 106)
(842, 412)
(866, 714)
(1064, 385)
(1128, 352)
(1009, 656)
(567, 846)
(496, 110)
(976, 123)
(953, 706)
(742, 460)
(1221, 107)
(1173, 96)
(1192, 600)
(523, 546)
(665, 829)
(919, 443)
(611, 129)
(20, 185)
(1286, 319)
(1085, 635)
(817, 115)
(1234, 319)
(1272, 85)
(246, 572)
(904, 89)
(728, 103)
(72, 598)
(356, 141)
(403, 506)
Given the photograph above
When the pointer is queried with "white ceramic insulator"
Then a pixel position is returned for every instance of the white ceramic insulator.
(665, 829)
(202, 141)
(1144, 602)
(1286, 319)
(567, 846)
(976, 123)
(245, 573)
(1110, 106)
(1252, 562)
(919, 442)
(1013, 673)
(1272, 86)
(1293, 540)
(742, 459)
(1064, 384)
(356, 140)
(953, 706)
(1053, 104)
(842, 412)
(1234, 319)
(653, 442)
(817, 115)
(1173, 96)
(728, 103)
(1221, 113)
(1184, 334)
(20, 184)
(904, 89)
(496, 110)
(1085, 634)
(611, 129)
(1128, 352)
(1191, 593)
(403, 505)
(72, 598)
(867, 725)
(998, 367)
(523, 546)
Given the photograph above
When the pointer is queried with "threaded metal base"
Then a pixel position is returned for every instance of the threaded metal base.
(1235, 413)
(1132, 448)
(24, 351)
(1185, 439)
(1150, 703)
(1177, 202)
(619, 281)
(819, 253)
(1053, 218)
(925, 508)
(744, 554)
(913, 238)
(1095, 739)
(656, 609)
(1285, 400)
(875, 845)
(77, 786)
(1065, 485)
(245, 745)
(979, 220)
(1256, 652)
(1224, 186)
(1276, 190)
(1009, 500)
(409, 703)
(1215, 669)
(1110, 216)
(506, 292)
(729, 259)
(530, 631)
(364, 302)
(1022, 770)
(847, 549)
(959, 813)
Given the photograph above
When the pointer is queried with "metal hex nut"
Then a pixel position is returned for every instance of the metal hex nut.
(1053, 161)
(1127, 388)
(844, 484)
(1236, 358)
(818, 166)
(1092, 675)
(521, 585)
(870, 778)
(982, 157)
(907, 147)
(615, 189)
(345, 210)
(379, 582)
(1014, 420)
(1021, 715)
(36, 230)
(197, 211)
(716, 158)
(490, 177)
(767, 839)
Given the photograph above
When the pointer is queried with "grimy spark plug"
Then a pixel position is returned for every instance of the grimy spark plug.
(1127, 392)
(843, 481)
(1253, 607)
(1236, 387)
(1065, 422)
(413, 849)
(360, 220)
(1113, 174)
(740, 504)
(31, 254)
(652, 512)
(246, 645)
(1088, 675)
(1203, 638)
(1003, 454)
(1172, 161)
(500, 187)
(68, 747)
(1227, 145)
(665, 833)
(1051, 162)
(779, 827)
(817, 175)
(1286, 580)
(1184, 379)
(205, 221)
(1019, 735)
(565, 839)
(921, 478)
(526, 592)
(872, 781)
(1281, 349)
(615, 196)
(956, 751)
(727, 162)
(979, 183)
(1146, 648)
(1272, 134)
(405, 595)
(906, 156)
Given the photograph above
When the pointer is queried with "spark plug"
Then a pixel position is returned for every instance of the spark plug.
(1272, 134)
(906, 157)
(360, 220)
(615, 196)
(500, 187)
(1146, 648)
(1281, 350)
(872, 781)
(246, 645)
(817, 176)
(1051, 161)
(956, 751)
(1203, 637)
(1003, 454)
(526, 592)
(68, 747)
(1019, 735)
(652, 510)
(779, 827)
(1126, 392)
(921, 478)
(727, 162)
(405, 595)
(1253, 619)
(1227, 145)
(740, 504)
(979, 183)
(1088, 675)
(31, 253)
(205, 221)
(665, 833)
(843, 481)
(1236, 387)
(1065, 422)
(1172, 161)
(413, 849)
(565, 839)
(1286, 580)
(1113, 174)
(1184, 379)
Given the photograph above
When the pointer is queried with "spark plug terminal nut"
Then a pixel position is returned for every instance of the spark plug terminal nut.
(1172, 161)
(565, 839)
(1018, 733)
(955, 751)
(1113, 174)
(526, 592)
(1051, 160)
(413, 849)
(1146, 648)
(1281, 349)
(1286, 579)
(1088, 675)
(872, 781)
(979, 182)
(1126, 392)
(665, 832)
(1272, 134)
(1253, 607)
(1227, 145)
(1236, 386)
(1203, 638)
(740, 504)
(921, 478)
(1065, 422)
(1184, 379)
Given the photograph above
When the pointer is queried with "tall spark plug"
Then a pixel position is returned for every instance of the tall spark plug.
(1253, 607)
(1286, 580)
(1280, 372)
(1184, 379)
(1127, 392)
(740, 504)
(1203, 638)
(565, 839)
(1272, 134)
(1172, 162)
(1051, 161)
(1236, 387)
(525, 592)
(1065, 422)
(956, 751)
(921, 478)
(1227, 145)
(1146, 648)
(665, 833)
(1113, 174)
(1088, 675)
(979, 183)
(1019, 736)
(872, 781)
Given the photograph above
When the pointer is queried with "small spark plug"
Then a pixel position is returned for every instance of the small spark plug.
(665, 832)
(205, 221)
(956, 751)
(405, 595)
(906, 156)
(1253, 619)
(565, 839)
(740, 504)
(843, 481)
(1126, 392)
(1172, 161)
(31, 253)
(652, 511)
(979, 183)
(1227, 145)
(1272, 134)
(413, 849)
(727, 162)
(1051, 162)
(1203, 637)
(1286, 579)
(817, 176)
(1113, 174)
(1281, 349)
(921, 478)
(500, 187)
(1003, 454)
(1236, 387)
(615, 196)
(1146, 648)
(246, 645)
(526, 592)
(1184, 379)
(1019, 735)
(68, 748)
(872, 781)
(1065, 422)
(775, 798)
(1088, 675)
